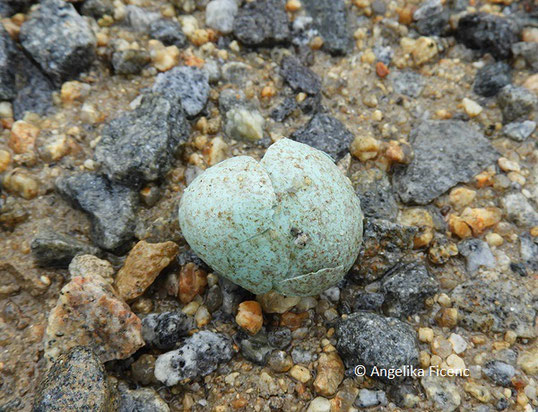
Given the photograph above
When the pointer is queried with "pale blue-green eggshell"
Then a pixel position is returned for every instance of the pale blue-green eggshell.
(290, 223)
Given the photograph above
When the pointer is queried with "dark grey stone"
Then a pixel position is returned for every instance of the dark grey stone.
(491, 78)
(477, 253)
(34, 89)
(279, 337)
(406, 287)
(97, 8)
(262, 23)
(139, 146)
(10, 7)
(140, 400)
(487, 33)
(169, 32)
(110, 206)
(499, 372)
(519, 131)
(372, 340)
(325, 133)
(59, 40)
(213, 299)
(407, 83)
(55, 249)
(331, 21)
(77, 380)
(375, 191)
(255, 348)
(528, 249)
(384, 245)
(361, 300)
(164, 330)
(185, 84)
(199, 355)
(129, 61)
(284, 109)
(431, 19)
(496, 306)
(516, 102)
(300, 77)
(8, 51)
(447, 152)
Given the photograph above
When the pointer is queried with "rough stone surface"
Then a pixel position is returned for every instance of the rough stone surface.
(110, 206)
(168, 32)
(50, 248)
(431, 18)
(185, 84)
(255, 348)
(519, 209)
(59, 40)
(528, 248)
(89, 265)
(519, 131)
(406, 287)
(262, 23)
(139, 18)
(371, 340)
(300, 77)
(97, 8)
(487, 33)
(139, 146)
(528, 51)
(89, 313)
(331, 21)
(220, 15)
(143, 264)
(446, 153)
(130, 61)
(198, 356)
(375, 191)
(491, 78)
(368, 398)
(7, 57)
(477, 253)
(407, 83)
(164, 330)
(442, 392)
(327, 134)
(516, 102)
(499, 372)
(384, 245)
(77, 380)
(140, 400)
(330, 373)
(354, 301)
(496, 306)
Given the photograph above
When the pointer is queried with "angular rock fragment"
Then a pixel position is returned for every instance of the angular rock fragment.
(59, 40)
(300, 77)
(496, 306)
(139, 146)
(372, 341)
(384, 245)
(8, 51)
(375, 191)
(77, 380)
(491, 78)
(516, 102)
(487, 33)
(168, 32)
(325, 133)
(164, 330)
(442, 392)
(262, 23)
(110, 206)
(186, 85)
(446, 153)
(198, 356)
(477, 253)
(89, 313)
(220, 15)
(331, 20)
(143, 264)
(406, 287)
(54, 249)
(140, 400)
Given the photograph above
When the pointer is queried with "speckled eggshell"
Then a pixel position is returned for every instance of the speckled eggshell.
(290, 223)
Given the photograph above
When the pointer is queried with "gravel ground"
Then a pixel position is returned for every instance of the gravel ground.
(110, 109)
